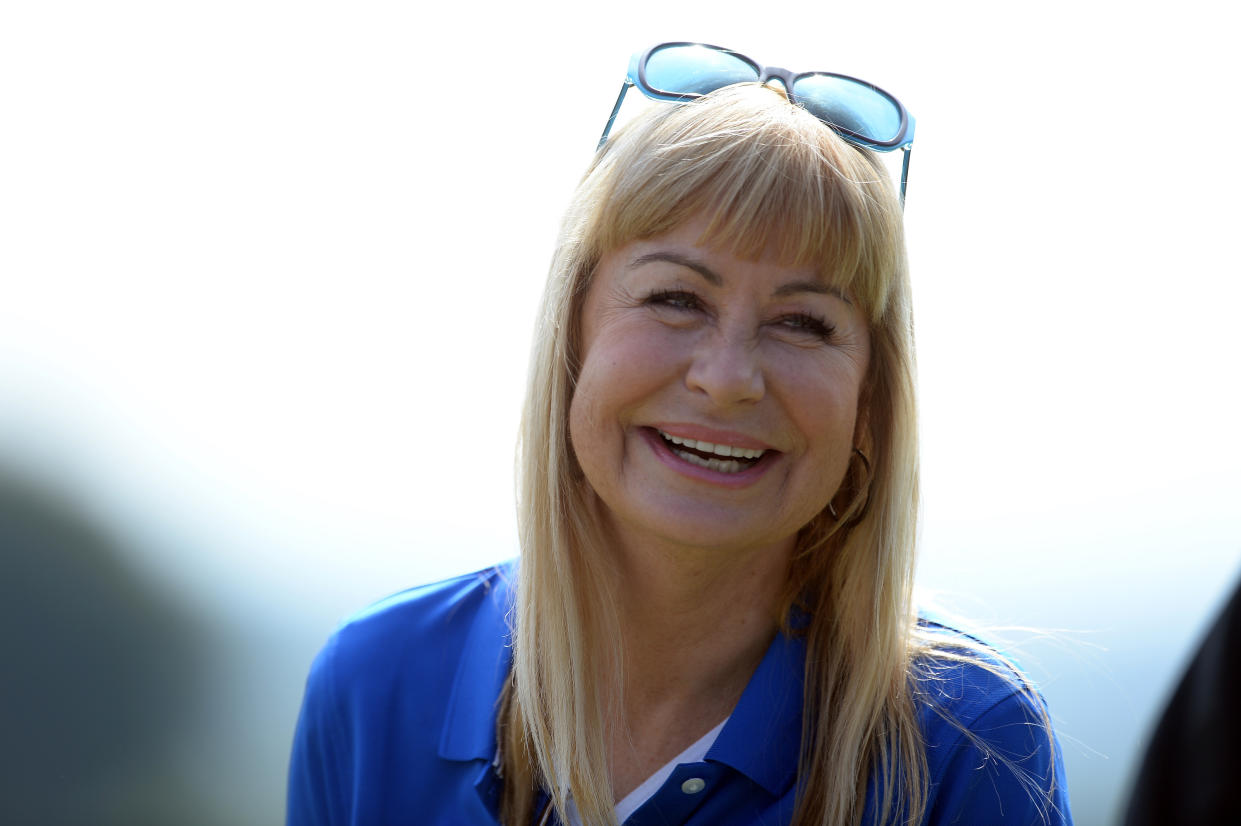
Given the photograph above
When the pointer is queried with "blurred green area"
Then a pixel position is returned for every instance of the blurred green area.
(105, 677)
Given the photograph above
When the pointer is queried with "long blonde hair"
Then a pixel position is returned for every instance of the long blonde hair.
(770, 176)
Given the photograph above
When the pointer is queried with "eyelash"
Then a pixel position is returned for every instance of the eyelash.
(687, 301)
(812, 324)
(678, 299)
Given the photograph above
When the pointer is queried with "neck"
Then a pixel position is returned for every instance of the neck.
(694, 624)
(682, 612)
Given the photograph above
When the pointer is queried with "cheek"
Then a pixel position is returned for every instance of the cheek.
(821, 397)
(624, 372)
(824, 409)
(594, 413)
(625, 368)
(582, 419)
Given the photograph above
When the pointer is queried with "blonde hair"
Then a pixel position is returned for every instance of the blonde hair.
(769, 176)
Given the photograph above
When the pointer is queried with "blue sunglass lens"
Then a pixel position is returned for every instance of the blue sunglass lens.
(850, 105)
(695, 70)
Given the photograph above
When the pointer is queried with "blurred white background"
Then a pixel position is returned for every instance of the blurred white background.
(267, 278)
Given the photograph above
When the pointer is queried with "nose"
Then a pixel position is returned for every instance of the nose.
(727, 369)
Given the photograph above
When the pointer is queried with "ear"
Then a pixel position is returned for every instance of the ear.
(862, 435)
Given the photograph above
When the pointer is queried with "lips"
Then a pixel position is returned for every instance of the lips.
(706, 461)
(722, 458)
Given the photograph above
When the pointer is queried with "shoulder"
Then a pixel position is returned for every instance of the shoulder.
(958, 673)
(426, 619)
(992, 754)
(381, 691)
(409, 647)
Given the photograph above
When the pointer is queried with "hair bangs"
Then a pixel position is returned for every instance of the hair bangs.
(770, 179)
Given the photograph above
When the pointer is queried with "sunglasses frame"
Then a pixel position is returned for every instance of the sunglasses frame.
(636, 76)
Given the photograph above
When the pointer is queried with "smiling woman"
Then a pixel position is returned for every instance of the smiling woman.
(734, 356)
(712, 621)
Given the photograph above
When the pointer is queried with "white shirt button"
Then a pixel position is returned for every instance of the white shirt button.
(694, 785)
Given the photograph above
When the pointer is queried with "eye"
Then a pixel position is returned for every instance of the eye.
(673, 299)
(808, 325)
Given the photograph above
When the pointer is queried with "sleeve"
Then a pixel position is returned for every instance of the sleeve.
(1003, 768)
(319, 766)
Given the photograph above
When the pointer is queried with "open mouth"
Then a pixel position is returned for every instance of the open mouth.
(720, 458)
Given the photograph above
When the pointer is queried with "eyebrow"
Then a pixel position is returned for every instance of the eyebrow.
(714, 278)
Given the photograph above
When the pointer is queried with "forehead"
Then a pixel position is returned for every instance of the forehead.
(693, 248)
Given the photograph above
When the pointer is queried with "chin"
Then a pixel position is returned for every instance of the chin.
(711, 528)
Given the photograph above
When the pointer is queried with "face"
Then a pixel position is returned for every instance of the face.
(718, 398)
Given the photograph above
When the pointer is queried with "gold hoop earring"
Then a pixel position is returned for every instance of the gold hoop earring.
(831, 508)
(865, 461)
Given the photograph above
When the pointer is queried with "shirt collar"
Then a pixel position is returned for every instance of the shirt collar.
(762, 738)
(470, 723)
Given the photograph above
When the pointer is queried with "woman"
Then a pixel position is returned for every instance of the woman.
(711, 621)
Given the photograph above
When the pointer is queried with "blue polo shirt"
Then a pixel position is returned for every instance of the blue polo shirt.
(398, 727)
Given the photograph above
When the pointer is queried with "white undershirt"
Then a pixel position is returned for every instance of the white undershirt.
(646, 790)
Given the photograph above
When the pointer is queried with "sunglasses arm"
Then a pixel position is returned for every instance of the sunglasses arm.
(908, 150)
(607, 130)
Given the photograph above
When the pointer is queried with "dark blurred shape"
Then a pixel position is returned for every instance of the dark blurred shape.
(1193, 765)
(100, 674)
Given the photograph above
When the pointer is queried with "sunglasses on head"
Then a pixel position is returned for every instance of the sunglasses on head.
(860, 112)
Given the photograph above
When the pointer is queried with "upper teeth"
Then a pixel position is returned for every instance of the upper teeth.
(709, 447)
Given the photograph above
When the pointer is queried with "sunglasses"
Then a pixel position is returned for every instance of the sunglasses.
(860, 112)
